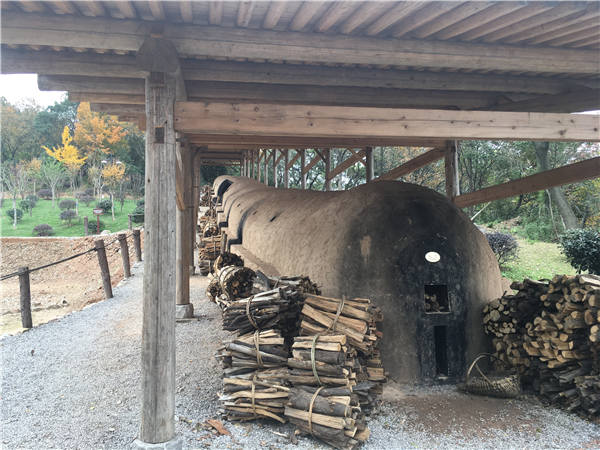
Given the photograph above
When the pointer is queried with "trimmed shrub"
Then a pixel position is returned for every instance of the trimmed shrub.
(141, 202)
(26, 205)
(43, 229)
(10, 212)
(137, 215)
(504, 246)
(582, 249)
(89, 191)
(46, 194)
(92, 226)
(32, 198)
(68, 215)
(105, 205)
(67, 203)
(86, 199)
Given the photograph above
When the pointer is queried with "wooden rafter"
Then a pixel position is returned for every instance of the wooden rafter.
(410, 166)
(311, 164)
(331, 121)
(293, 160)
(571, 173)
(347, 163)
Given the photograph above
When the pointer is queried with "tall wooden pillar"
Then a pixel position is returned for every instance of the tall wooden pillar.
(258, 166)
(286, 172)
(327, 156)
(451, 166)
(369, 166)
(275, 168)
(196, 208)
(184, 185)
(158, 323)
(266, 158)
(302, 166)
(252, 166)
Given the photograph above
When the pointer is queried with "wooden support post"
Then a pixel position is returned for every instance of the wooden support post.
(451, 166)
(104, 270)
(25, 290)
(124, 254)
(327, 156)
(253, 174)
(266, 160)
(158, 325)
(302, 165)
(286, 172)
(258, 166)
(183, 214)
(275, 168)
(137, 244)
(85, 225)
(196, 208)
(129, 224)
(369, 166)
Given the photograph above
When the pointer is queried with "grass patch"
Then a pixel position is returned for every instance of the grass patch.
(45, 213)
(537, 260)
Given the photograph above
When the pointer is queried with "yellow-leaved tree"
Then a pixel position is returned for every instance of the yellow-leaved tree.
(96, 135)
(68, 155)
(113, 175)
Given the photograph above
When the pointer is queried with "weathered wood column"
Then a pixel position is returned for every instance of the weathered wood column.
(327, 156)
(184, 182)
(253, 165)
(451, 166)
(158, 326)
(302, 165)
(286, 172)
(275, 168)
(369, 166)
(195, 204)
(266, 161)
(258, 166)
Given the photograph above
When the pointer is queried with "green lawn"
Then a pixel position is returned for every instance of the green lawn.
(537, 260)
(45, 213)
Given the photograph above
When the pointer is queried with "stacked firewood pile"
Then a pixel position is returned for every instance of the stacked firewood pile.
(357, 319)
(322, 402)
(210, 229)
(205, 195)
(549, 332)
(209, 248)
(227, 259)
(254, 376)
(229, 284)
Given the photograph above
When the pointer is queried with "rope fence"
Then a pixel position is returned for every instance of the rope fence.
(100, 248)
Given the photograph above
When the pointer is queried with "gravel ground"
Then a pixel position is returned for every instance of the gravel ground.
(74, 383)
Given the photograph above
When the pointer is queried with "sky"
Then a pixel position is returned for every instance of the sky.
(23, 88)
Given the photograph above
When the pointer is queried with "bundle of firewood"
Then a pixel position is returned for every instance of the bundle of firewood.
(236, 282)
(210, 229)
(205, 195)
(277, 308)
(325, 363)
(227, 259)
(301, 284)
(257, 350)
(547, 331)
(213, 290)
(209, 248)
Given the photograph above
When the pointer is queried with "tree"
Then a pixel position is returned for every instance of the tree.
(113, 173)
(68, 155)
(18, 137)
(34, 171)
(555, 193)
(14, 178)
(53, 173)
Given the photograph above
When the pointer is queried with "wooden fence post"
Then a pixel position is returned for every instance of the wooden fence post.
(130, 225)
(124, 254)
(85, 225)
(137, 244)
(25, 297)
(103, 262)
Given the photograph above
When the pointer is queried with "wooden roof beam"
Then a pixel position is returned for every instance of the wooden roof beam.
(331, 121)
(124, 66)
(572, 173)
(94, 97)
(119, 109)
(417, 162)
(192, 40)
(276, 9)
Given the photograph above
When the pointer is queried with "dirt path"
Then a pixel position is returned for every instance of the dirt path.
(56, 290)
(74, 383)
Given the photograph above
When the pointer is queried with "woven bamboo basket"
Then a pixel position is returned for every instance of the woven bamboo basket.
(503, 385)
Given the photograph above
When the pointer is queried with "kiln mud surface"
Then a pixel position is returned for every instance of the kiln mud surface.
(75, 383)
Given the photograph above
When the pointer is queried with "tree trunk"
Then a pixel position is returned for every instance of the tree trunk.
(14, 212)
(112, 205)
(556, 193)
(53, 188)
